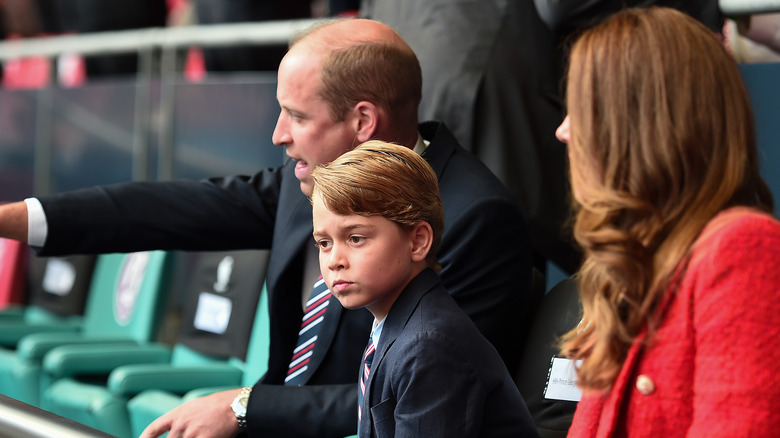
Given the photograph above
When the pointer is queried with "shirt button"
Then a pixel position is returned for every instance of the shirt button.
(645, 385)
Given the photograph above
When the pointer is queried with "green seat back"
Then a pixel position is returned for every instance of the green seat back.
(127, 295)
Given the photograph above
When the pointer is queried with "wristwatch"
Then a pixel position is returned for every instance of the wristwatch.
(239, 406)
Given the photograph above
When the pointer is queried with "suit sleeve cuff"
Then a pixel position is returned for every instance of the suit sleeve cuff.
(37, 227)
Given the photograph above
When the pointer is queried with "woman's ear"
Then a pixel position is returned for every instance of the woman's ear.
(366, 121)
(421, 239)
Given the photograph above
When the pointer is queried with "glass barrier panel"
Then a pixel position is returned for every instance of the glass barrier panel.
(224, 126)
(18, 109)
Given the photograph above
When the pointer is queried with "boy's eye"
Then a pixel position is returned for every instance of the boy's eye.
(322, 244)
(356, 239)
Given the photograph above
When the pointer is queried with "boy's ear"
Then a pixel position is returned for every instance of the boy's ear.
(421, 240)
(366, 121)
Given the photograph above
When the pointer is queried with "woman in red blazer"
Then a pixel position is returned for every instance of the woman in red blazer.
(681, 281)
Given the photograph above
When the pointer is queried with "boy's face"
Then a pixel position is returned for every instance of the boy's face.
(365, 261)
(304, 126)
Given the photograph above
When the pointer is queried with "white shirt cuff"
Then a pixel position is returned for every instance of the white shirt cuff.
(37, 227)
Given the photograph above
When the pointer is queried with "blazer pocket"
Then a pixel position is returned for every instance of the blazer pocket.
(382, 415)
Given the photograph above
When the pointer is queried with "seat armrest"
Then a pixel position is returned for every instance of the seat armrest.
(13, 332)
(12, 313)
(33, 347)
(132, 379)
(202, 392)
(75, 359)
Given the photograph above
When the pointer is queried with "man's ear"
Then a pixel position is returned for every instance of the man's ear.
(421, 241)
(366, 121)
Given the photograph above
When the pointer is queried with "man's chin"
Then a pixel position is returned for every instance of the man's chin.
(307, 188)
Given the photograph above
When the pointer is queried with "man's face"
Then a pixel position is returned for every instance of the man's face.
(365, 261)
(304, 126)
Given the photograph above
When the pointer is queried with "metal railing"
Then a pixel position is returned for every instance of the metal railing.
(158, 50)
(19, 419)
(144, 40)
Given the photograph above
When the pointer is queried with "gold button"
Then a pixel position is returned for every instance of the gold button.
(645, 385)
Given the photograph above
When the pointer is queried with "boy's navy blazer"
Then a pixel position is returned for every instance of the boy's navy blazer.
(434, 374)
(485, 255)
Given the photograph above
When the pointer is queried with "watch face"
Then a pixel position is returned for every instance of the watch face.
(239, 406)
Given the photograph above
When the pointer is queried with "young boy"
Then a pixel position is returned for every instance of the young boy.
(427, 371)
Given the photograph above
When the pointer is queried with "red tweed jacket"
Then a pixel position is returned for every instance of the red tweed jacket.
(713, 367)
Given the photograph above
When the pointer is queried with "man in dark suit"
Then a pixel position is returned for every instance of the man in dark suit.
(338, 86)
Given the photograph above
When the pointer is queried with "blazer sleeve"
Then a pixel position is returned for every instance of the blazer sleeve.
(303, 411)
(737, 303)
(233, 212)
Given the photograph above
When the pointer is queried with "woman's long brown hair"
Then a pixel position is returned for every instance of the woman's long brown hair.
(662, 139)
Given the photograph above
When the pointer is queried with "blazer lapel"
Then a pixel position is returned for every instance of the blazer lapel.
(398, 317)
(293, 228)
(441, 148)
(292, 233)
(612, 405)
(296, 229)
(623, 383)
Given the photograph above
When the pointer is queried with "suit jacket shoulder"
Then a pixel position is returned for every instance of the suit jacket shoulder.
(432, 366)
(482, 222)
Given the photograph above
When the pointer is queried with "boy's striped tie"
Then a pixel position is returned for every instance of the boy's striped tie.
(368, 357)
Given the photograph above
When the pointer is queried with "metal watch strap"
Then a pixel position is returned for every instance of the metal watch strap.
(245, 391)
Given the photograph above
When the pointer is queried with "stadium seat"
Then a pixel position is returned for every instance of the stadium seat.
(219, 304)
(126, 296)
(57, 294)
(558, 313)
(195, 381)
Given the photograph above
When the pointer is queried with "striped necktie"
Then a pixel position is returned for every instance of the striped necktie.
(307, 336)
(368, 357)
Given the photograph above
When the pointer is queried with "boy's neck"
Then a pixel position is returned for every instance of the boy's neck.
(381, 313)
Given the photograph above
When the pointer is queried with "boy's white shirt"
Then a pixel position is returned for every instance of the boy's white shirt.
(376, 331)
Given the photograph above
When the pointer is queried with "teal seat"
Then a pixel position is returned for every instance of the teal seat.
(186, 383)
(126, 296)
(58, 288)
(219, 310)
(559, 312)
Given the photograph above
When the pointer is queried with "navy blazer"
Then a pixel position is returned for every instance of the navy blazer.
(485, 255)
(435, 375)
